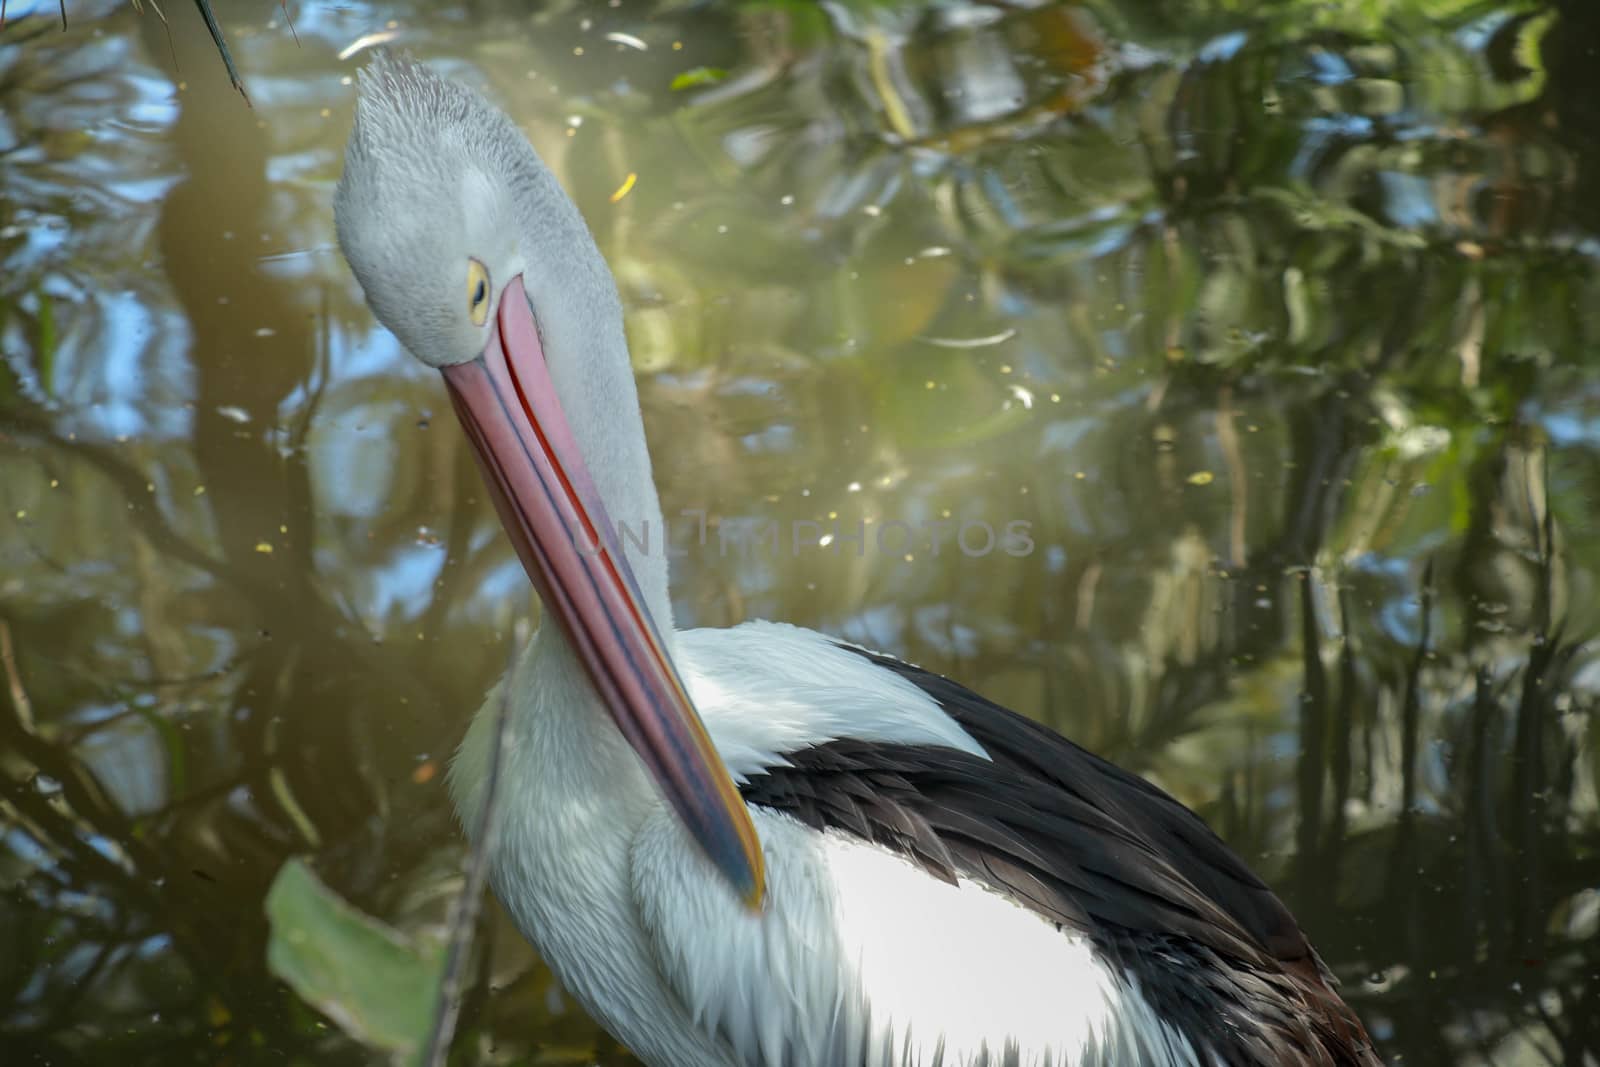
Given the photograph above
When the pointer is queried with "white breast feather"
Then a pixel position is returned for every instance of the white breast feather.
(861, 957)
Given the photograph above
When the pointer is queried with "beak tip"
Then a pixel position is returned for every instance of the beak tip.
(753, 884)
(743, 870)
(755, 897)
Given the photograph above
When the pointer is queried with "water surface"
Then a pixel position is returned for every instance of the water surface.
(1275, 324)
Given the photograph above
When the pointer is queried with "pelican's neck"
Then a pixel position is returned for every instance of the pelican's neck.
(566, 768)
(579, 314)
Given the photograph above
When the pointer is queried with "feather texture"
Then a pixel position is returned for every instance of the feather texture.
(1099, 852)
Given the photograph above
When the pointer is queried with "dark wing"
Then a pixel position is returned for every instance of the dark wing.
(1094, 848)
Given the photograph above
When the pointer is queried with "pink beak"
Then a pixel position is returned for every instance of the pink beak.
(555, 519)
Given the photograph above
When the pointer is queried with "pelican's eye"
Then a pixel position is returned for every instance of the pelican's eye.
(477, 292)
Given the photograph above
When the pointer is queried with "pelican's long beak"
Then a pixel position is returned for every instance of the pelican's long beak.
(560, 528)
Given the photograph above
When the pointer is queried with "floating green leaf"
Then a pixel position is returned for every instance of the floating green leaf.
(698, 76)
(358, 972)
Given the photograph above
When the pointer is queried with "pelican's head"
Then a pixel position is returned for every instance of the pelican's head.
(470, 252)
(425, 209)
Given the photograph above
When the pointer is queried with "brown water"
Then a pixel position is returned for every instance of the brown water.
(1278, 325)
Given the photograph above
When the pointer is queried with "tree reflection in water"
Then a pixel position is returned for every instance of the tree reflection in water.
(1274, 324)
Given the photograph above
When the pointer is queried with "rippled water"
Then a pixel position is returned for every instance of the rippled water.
(1276, 323)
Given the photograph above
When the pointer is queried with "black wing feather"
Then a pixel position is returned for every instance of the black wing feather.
(1093, 848)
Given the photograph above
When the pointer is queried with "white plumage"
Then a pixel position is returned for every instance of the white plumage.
(860, 956)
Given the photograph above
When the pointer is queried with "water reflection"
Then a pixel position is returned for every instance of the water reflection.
(1273, 326)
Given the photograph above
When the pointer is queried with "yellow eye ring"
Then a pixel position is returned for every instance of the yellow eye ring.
(477, 292)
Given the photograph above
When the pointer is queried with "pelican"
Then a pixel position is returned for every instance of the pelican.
(759, 846)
